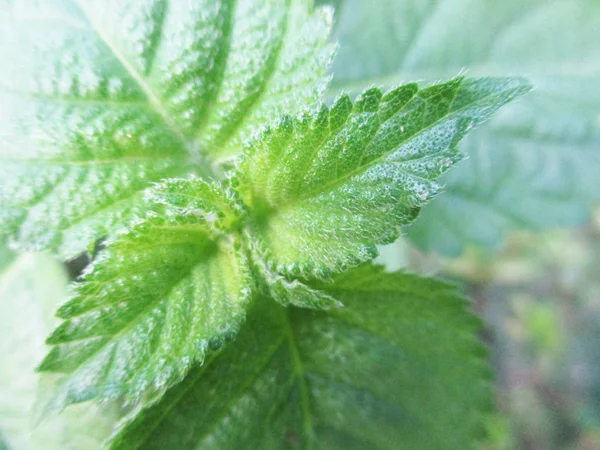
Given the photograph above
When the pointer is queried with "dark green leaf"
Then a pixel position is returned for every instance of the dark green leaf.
(399, 367)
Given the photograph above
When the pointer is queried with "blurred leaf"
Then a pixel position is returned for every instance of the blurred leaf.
(3, 444)
(29, 292)
(543, 329)
(6, 255)
(537, 165)
(498, 433)
(337, 5)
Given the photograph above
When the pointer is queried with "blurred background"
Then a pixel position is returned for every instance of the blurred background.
(539, 298)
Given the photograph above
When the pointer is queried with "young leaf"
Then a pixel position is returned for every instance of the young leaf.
(399, 367)
(164, 292)
(100, 98)
(326, 188)
(536, 166)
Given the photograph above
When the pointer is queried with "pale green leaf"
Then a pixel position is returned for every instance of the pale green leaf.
(164, 293)
(399, 368)
(29, 291)
(100, 98)
(6, 255)
(326, 187)
(536, 166)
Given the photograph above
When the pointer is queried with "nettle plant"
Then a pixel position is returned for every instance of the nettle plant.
(235, 304)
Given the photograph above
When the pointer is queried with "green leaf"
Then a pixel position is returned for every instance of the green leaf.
(326, 187)
(164, 293)
(6, 255)
(98, 99)
(526, 173)
(399, 368)
(3, 444)
(317, 194)
(29, 291)
(536, 165)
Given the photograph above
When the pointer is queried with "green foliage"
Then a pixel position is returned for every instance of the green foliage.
(331, 185)
(302, 202)
(98, 99)
(397, 367)
(536, 165)
(152, 305)
(189, 134)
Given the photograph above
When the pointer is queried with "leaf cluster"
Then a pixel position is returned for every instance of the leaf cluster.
(193, 137)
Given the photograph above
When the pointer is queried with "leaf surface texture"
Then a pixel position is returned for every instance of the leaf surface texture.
(163, 294)
(101, 98)
(383, 373)
(327, 187)
(313, 195)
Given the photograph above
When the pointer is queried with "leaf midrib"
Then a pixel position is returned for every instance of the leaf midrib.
(362, 168)
(340, 180)
(299, 374)
(153, 99)
(222, 153)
